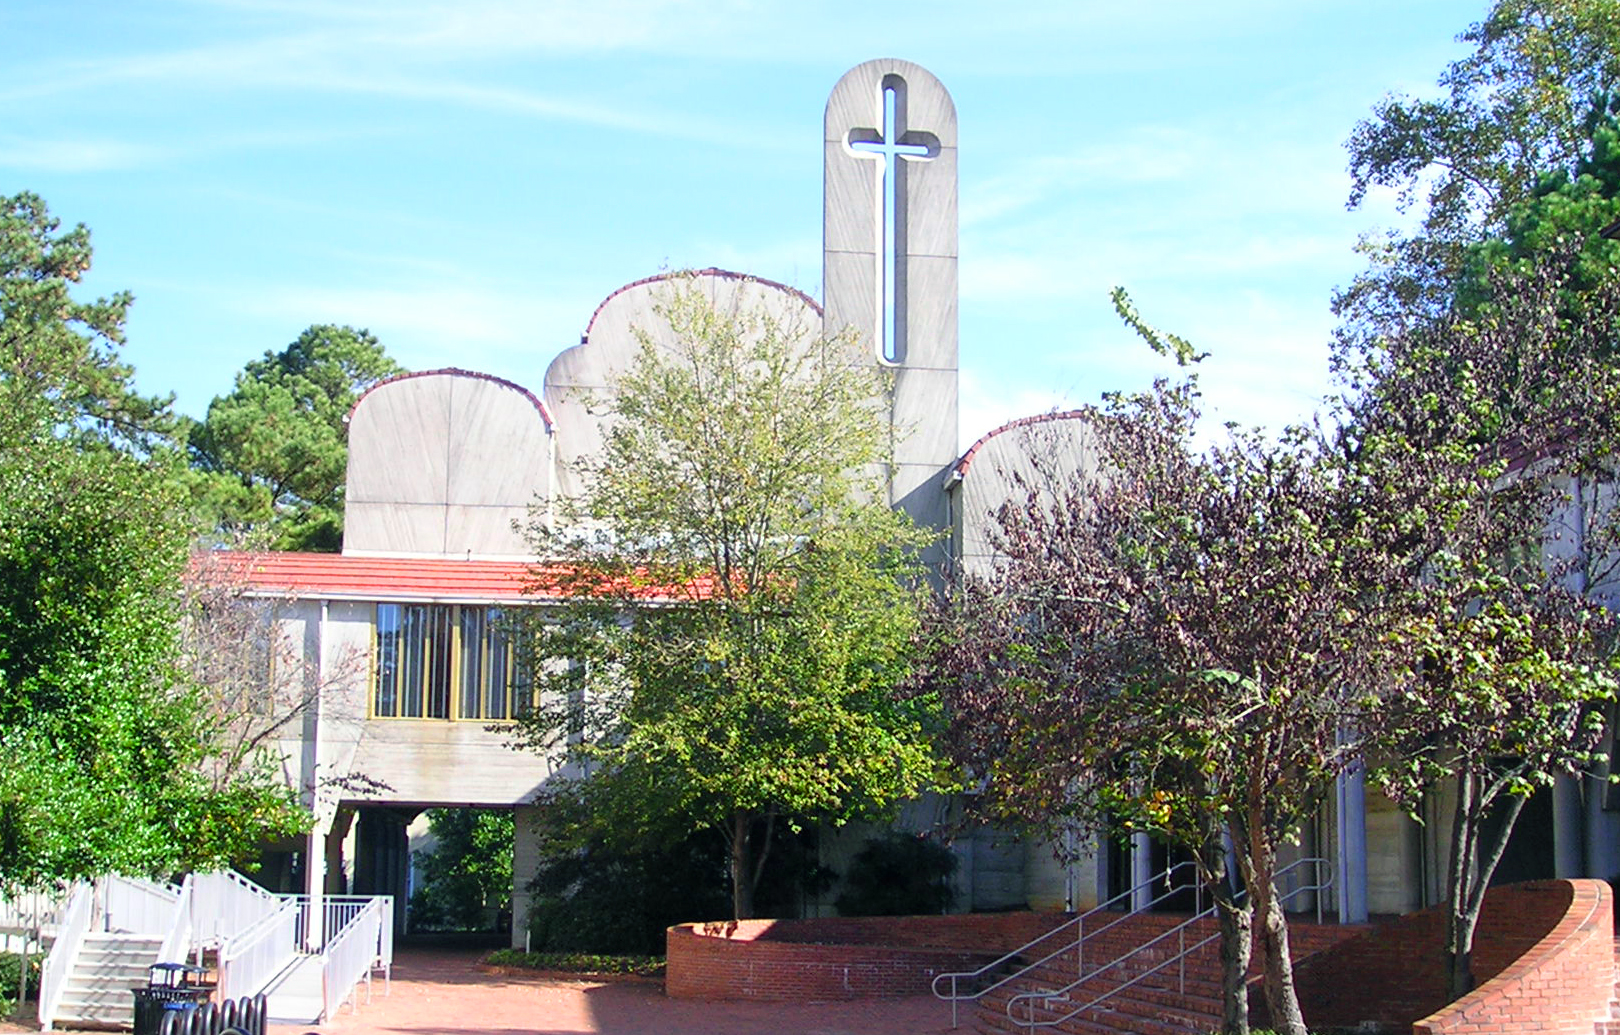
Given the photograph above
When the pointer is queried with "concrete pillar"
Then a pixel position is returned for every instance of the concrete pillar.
(1141, 871)
(315, 889)
(1601, 860)
(525, 861)
(1351, 798)
(1104, 866)
(1568, 827)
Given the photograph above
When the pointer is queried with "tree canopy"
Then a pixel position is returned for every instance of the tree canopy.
(1515, 159)
(58, 355)
(272, 455)
(105, 744)
(743, 608)
(1162, 646)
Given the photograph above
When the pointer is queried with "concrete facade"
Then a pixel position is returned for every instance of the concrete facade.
(445, 466)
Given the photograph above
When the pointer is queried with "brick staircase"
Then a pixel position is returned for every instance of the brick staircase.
(1181, 998)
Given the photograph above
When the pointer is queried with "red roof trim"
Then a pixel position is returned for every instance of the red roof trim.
(538, 403)
(426, 579)
(712, 271)
(960, 468)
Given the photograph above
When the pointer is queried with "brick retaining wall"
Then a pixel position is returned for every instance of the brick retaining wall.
(837, 958)
(1543, 960)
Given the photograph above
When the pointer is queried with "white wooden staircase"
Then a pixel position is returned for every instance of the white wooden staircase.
(308, 955)
(109, 964)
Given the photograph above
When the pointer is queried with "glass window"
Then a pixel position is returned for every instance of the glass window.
(438, 661)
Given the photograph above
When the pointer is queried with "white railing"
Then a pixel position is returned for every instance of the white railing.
(1172, 886)
(178, 941)
(247, 961)
(335, 913)
(53, 976)
(136, 906)
(351, 954)
(28, 916)
(225, 904)
(29, 912)
(1173, 941)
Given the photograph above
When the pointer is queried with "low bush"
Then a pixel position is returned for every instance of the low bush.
(578, 962)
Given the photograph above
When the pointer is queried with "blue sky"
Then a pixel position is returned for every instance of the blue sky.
(468, 179)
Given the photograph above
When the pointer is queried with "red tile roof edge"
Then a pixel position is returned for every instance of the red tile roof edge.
(352, 577)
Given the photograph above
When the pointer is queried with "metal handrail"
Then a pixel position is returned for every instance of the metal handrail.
(350, 956)
(955, 996)
(1183, 951)
(248, 960)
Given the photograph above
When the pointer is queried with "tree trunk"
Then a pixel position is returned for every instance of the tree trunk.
(1236, 922)
(1470, 877)
(1286, 1016)
(742, 867)
(1234, 917)
(1271, 928)
(1459, 878)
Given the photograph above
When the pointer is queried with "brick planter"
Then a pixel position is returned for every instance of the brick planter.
(837, 958)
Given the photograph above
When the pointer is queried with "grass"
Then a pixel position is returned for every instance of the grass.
(585, 963)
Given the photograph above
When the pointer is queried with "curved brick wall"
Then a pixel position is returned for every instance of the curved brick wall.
(1543, 957)
(1562, 982)
(837, 957)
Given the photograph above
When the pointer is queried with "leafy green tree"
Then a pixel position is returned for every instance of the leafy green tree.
(58, 355)
(741, 608)
(1516, 158)
(105, 746)
(272, 455)
(107, 755)
(1163, 645)
(468, 872)
(1488, 439)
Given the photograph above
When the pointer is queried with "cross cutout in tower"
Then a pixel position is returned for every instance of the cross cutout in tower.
(894, 145)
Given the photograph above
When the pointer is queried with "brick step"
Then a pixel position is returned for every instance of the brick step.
(1143, 1008)
(1097, 1022)
(1202, 977)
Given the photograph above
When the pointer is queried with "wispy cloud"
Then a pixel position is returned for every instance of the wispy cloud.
(77, 156)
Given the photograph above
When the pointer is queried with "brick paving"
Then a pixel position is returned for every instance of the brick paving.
(445, 992)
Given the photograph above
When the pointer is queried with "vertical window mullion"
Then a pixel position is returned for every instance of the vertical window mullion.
(415, 661)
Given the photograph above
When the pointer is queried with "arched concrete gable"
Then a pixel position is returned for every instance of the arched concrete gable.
(442, 462)
(577, 382)
(1045, 451)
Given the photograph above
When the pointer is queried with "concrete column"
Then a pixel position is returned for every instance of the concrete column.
(1600, 827)
(1141, 871)
(1104, 869)
(1567, 827)
(1351, 798)
(525, 861)
(315, 888)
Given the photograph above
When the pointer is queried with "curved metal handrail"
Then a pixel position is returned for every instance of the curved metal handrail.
(1184, 950)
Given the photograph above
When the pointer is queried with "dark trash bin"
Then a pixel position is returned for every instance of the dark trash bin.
(169, 987)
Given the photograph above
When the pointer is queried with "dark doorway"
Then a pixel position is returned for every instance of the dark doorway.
(1162, 856)
(1529, 854)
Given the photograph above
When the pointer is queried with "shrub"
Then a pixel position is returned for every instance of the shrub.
(898, 875)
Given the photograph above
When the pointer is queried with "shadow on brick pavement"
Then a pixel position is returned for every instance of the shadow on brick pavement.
(447, 992)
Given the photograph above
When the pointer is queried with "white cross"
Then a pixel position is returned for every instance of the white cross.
(889, 145)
